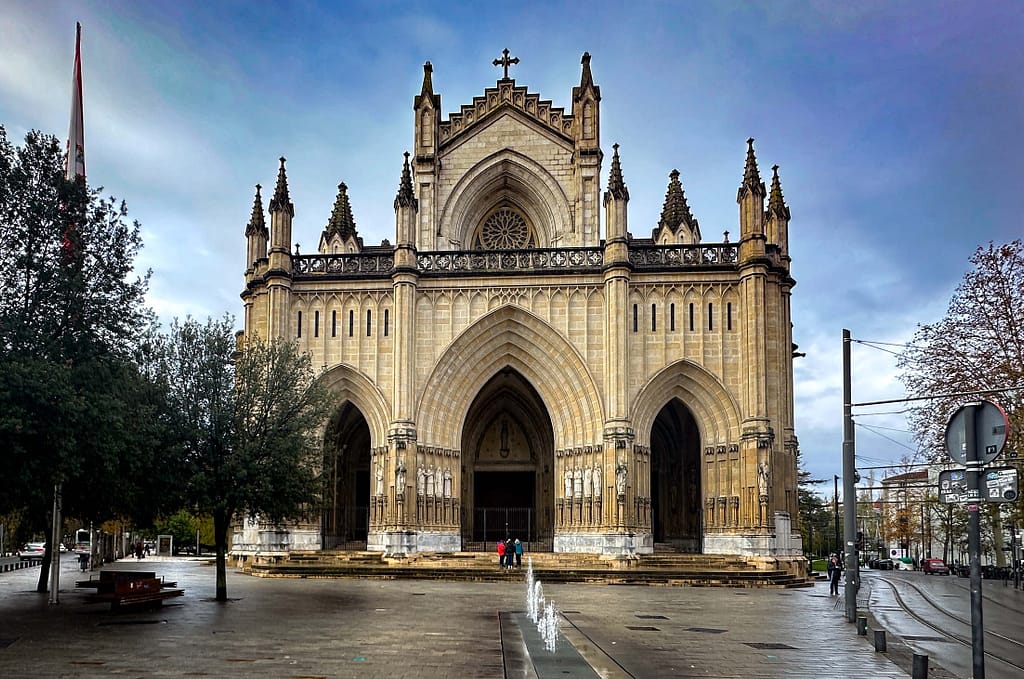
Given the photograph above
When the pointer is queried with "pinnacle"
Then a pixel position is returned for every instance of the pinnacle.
(616, 185)
(776, 202)
(256, 224)
(406, 197)
(341, 221)
(751, 177)
(281, 201)
(675, 210)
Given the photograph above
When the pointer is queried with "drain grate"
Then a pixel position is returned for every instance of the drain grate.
(108, 623)
(770, 646)
(924, 638)
(652, 617)
(706, 630)
(641, 628)
(4, 643)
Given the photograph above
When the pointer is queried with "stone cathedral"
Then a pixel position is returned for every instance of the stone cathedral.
(510, 366)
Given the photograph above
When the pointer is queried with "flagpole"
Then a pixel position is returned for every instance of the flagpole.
(76, 129)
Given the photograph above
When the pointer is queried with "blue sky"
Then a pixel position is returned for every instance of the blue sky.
(895, 126)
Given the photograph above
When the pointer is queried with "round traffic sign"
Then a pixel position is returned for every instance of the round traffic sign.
(990, 429)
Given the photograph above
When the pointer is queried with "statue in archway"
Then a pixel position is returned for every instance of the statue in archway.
(421, 481)
(568, 483)
(620, 479)
(429, 481)
(447, 483)
(578, 483)
(588, 481)
(380, 479)
(597, 481)
(400, 478)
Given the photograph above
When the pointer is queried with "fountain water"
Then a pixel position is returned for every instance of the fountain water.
(541, 612)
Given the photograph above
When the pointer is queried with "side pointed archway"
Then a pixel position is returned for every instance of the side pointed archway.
(675, 478)
(346, 516)
(508, 452)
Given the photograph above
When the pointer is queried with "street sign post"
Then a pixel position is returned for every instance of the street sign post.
(975, 436)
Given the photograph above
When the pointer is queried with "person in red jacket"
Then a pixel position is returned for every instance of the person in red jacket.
(501, 554)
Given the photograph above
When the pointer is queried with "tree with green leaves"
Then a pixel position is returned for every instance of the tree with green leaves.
(977, 346)
(73, 404)
(250, 416)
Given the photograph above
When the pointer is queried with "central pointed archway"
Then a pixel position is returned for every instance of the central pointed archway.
(508, 448)
(675, 478)
(347, 462)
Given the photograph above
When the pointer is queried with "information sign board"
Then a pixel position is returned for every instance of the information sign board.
(999, 484)
(953, 487)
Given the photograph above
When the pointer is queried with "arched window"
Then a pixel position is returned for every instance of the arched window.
(504, 228)
(588, 120)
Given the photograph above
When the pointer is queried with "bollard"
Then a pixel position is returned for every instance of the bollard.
(920, 670)
(862, 626)
(880, 641)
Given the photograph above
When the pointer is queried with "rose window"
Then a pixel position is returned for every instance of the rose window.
(505, 229)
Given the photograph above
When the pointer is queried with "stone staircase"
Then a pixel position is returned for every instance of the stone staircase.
(661, 568)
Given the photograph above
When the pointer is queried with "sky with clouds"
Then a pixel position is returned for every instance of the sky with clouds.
(895, 126)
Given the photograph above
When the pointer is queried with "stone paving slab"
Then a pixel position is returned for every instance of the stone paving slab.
(363, 628)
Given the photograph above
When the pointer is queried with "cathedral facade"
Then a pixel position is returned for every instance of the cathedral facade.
(509, 368)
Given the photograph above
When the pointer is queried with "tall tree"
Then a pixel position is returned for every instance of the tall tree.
(71, 311)
(249, 416)
(977, 346)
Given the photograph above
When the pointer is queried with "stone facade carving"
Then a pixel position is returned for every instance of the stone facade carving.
(515, 326)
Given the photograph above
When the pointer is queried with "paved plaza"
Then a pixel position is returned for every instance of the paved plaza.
(423, 629)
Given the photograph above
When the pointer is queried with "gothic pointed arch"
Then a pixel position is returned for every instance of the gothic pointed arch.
(716, 411)
(511, 337)
(348, 384)
(513, 180)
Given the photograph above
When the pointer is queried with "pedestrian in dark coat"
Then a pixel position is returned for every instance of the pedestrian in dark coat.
(835, 570)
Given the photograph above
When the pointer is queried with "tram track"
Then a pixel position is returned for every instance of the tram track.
(966, 641)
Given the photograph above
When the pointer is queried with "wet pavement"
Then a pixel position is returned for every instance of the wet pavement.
(423, 629)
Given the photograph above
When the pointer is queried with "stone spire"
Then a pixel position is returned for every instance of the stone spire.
(427, 91)
(406, 197)
(675, 210)
(341, 221)
(776, 203)
(586, 79)
(616, 185)
(751, 177)
(281, 201)
(257, 225)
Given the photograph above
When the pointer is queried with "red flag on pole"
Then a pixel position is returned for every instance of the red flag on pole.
(76, 131)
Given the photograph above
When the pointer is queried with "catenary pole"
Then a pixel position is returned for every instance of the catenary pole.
(974, 470)
(849, 492)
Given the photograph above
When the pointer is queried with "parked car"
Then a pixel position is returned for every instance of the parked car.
(883, 564)
(33, 550)
(934, 567)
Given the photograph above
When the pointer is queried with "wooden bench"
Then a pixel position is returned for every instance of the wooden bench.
(129, 588)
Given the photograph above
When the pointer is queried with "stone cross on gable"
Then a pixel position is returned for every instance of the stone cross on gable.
(505, 62)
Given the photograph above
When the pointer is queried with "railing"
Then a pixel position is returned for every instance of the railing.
(538, 259)
(351, 265)
(658, 256)
(554, 260)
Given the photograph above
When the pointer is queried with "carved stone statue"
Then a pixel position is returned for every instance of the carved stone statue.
(620, 479)
(762, 478)
(597, 480)
(588, 481)
(447, 483)
(429, 481)
(380, 479)
(421, 481)
(578, 483)
(568, 483)
(400, 478)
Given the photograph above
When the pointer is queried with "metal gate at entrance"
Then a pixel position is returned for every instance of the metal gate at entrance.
(503, 505)
(491, 524)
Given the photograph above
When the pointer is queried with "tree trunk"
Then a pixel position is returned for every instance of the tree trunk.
(221, 523)
(43, 586)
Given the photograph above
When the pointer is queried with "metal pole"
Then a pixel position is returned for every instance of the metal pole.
(849, 491)
(835, 509)
(974, 469)
(55, 548)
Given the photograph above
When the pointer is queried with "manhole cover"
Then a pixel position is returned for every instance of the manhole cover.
(642, 628)
(706, 630)
(652, 617)
(770, 646)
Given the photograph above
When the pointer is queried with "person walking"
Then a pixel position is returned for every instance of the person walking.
(835, 570)
(519, 553)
